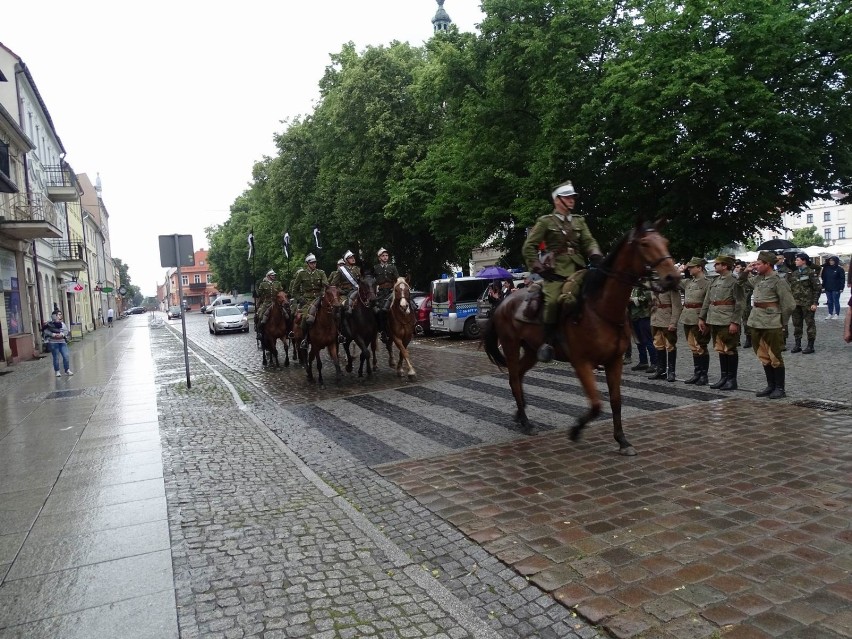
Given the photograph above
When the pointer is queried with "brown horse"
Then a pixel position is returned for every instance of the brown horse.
(361, 326)
(401, 322)
(279, 325)
(598, 334)
(323, 334)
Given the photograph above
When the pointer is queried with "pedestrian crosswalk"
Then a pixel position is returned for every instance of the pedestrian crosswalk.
(438, 417)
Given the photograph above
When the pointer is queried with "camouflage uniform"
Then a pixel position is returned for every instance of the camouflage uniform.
(772, 304)
(806, 288)
(665, 313)
(693, 299)
(723, 306)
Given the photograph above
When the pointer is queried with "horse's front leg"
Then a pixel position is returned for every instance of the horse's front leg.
(586, 375)
(332, 353)
(349, 357)
(518, 364)
(613, 382)
(404, 358)
(310, 354)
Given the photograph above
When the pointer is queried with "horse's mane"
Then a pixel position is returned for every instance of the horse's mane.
(595, 278)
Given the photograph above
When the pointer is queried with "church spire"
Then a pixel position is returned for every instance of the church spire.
(441, 21)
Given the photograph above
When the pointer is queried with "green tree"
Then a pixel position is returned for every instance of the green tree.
(133, 294)
(807, 237)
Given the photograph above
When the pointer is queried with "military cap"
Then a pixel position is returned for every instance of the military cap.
(805, 257)
(348, 254)
(766, 256)
(310, 257)
(697, 261)
(564, 190)
(725, 259)
(380, 251)
(270, 272)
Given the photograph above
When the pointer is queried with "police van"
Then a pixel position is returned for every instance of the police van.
(455, 303)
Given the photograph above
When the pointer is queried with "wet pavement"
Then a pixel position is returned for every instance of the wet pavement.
(255, 504)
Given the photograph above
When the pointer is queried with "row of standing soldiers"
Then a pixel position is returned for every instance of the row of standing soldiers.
(309, 283)
(717, 309)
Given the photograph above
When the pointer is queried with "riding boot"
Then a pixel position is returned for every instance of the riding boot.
(778, 391)
(670, 373)
(696, 370)
(304, 343)
(723, 367)
(545, 351)
(733, 364)
(704, 363)
(641, 366)
(770, 382)
(660, 371)
(798, 347)
(807, 350)
(747, 343)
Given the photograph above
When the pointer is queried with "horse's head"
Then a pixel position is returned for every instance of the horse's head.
(652, 254)
(329, 296)
(402, 295)
(281, 299)
(367, 289)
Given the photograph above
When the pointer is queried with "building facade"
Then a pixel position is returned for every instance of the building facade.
(197, 284)
(832, 220)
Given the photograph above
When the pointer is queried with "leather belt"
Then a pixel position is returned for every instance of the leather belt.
(693, 305)
(567, 251)
(764, 304)
(723, 303)
(664, 305)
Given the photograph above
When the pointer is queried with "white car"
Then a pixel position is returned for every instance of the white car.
(227, 318)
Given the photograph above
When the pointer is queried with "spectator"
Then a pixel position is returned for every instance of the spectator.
(56, 335)
(640, 321)
(495, 296)
(832, 283)
(110, 316)
(806, 287)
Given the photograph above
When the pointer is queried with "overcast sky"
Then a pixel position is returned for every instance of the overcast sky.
(173, 102)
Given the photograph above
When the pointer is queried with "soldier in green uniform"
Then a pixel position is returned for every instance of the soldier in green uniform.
(723, 311)
(697, 340)
(806, 288)
(566, 237)
(772, 304)
(306, 289)
(346, 278)
(665, 313)
(267, 289)
(386, 276)
(783, 268)
(739, 268)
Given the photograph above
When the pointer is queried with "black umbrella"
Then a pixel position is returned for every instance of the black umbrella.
(776, 244)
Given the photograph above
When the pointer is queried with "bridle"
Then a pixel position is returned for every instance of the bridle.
(628, 277)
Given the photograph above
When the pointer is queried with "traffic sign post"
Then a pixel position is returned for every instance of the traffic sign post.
(176, 250)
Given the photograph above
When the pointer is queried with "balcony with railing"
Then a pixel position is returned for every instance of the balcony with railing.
(197, 286)
(69, 255)
(26, 219)
(61, 184)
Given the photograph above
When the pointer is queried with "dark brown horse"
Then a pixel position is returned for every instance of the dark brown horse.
(361, 326)
(598, 334)
(323, 334)
(279, 325)
(401, 322)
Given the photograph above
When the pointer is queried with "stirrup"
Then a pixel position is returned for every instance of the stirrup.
(545, 353)
(341, 339)
(303, 345)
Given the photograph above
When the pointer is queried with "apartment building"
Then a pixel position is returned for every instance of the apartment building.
(197, 283)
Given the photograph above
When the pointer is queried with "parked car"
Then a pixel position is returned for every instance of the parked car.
(173, 312)
(203, 309)
(222, 300)
(227, 318)
(424, 307)
(137, 310)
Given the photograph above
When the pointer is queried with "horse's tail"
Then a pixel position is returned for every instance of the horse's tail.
(490, 341)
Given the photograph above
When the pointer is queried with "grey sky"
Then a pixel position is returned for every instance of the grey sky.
(173, 102)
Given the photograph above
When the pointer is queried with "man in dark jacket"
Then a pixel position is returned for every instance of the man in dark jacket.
(833, 279)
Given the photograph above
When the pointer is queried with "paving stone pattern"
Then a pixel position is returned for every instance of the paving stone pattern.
(735, 525)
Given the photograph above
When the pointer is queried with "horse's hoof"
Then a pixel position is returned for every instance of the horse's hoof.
(412, 377)
(574, 433)
(629, 451)
(287, 364)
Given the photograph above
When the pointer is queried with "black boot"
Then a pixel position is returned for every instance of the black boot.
(747, 343)
(641, 366)
(723, 367)
(807, 350)
(696, 370)
(660, 371)
(306, 329)
(545, 351)
(798, 347)
(770, 382)
(704, 363)
(733, 364)
(778, 391)
(672, 359)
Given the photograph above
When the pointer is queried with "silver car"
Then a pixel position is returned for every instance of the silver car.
(227, 318)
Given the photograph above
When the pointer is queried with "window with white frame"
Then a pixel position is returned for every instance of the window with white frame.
(184, 279)
(826, 217)
(841, 232)
(210, 278)
(810, 218)
(827, 234)
(197, 278)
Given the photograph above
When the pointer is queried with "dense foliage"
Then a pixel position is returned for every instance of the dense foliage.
(719, 117)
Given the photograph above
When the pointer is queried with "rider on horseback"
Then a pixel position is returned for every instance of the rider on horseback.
(567, 240)
(306, 288)
(345, 278)
(267, 289)
(386, 276)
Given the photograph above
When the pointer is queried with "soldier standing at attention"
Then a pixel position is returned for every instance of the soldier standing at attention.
(345, 278)
(267, 290)
(723, 311)
(306, 288)
(567, 237)
(665, 312)
(693, 299)
(739, 268)
(772, 304)
(386, 276)
(806, 288)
